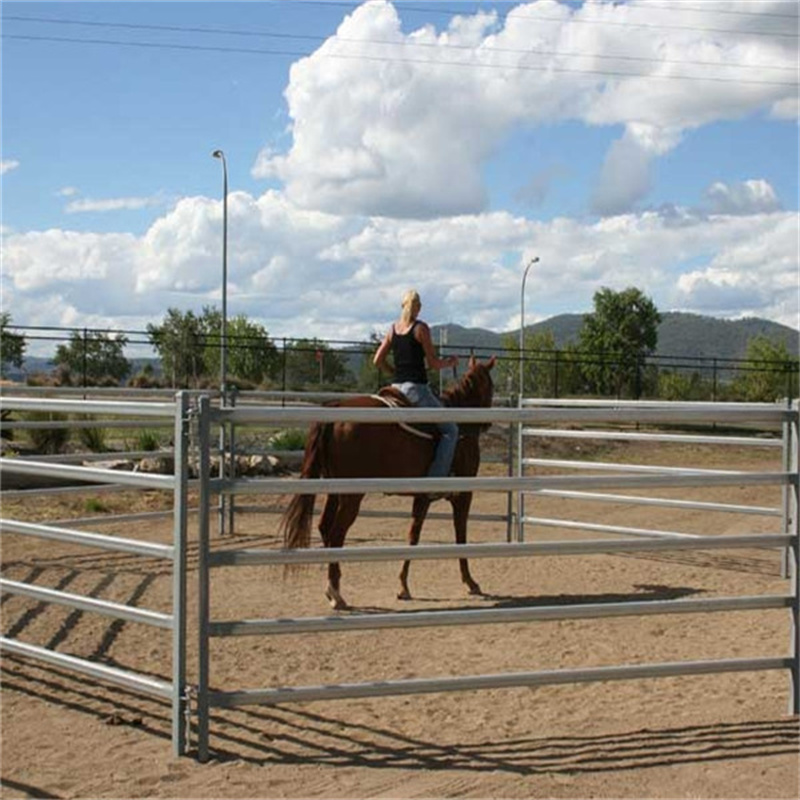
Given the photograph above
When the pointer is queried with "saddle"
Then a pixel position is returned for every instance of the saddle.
(394, 398)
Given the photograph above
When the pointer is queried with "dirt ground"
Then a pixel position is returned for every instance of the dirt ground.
(715, 736)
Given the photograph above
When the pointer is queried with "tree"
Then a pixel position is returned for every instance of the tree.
(539, 371)
(251, 355)
(94, 356)
(769, 373)
(369, 376)
(311, 363)
(180, 343)
(615, 339)
(12, 345)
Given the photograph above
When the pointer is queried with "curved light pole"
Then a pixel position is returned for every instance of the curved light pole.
(223, 354)
(533, 261)
(520, 495)
(223, 360)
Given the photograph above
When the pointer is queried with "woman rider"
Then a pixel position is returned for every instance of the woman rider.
(409, 340)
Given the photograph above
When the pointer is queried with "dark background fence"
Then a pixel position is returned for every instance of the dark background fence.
(344, 365)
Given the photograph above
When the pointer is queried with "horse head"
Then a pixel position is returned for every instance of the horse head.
(476, 388)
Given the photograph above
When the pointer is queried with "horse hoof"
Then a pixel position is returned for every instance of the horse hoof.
(475, 589)
(336, 601)
(404, 594)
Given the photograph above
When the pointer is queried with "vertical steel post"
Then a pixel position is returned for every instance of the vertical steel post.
(223, 452)
(794, 521)
(230, 499)
(203, 604)
(786, 466)
(180, 512)
(510, 504)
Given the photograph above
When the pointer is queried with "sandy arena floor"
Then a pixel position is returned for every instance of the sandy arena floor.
(717, 736)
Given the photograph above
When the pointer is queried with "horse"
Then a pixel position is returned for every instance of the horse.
(383, 450)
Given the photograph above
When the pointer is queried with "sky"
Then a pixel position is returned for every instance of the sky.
(376, 147)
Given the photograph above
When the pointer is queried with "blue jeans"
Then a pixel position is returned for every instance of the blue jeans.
(420, 395)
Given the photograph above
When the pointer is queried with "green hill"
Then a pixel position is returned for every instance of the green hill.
(679, 334)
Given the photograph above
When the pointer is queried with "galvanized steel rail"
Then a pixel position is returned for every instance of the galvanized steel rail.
(208, 699)
(177, 415)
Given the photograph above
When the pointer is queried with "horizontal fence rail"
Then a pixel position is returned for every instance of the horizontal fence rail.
(250, 557)
(141, 480)
(666, 502)
(612, 414)
(304, 694)
(98, 540)
(113, 675)
(116, 610)
(492, 616)
(97, 479)
(666, 438)
(409, 486)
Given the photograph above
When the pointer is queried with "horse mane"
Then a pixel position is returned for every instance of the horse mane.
(474, 390)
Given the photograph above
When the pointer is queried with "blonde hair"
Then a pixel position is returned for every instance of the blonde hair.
(411, 305)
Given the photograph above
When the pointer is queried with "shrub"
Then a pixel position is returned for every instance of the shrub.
(93, 439)
(289, 439)
(148, 440)
(48, 441)
(94, 506)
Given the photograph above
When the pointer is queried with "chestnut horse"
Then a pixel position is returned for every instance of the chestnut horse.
(381, 450)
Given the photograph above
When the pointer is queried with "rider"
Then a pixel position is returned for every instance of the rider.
(409, 339)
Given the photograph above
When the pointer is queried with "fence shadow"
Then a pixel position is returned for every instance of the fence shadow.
(293, 735)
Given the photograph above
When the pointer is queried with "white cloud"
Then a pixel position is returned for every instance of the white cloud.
(67, 191)
(403, 132)
(747, 197)
(111, 204)
(308, 273)
(7, 166)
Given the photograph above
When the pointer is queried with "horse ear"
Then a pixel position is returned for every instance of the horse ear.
(472, 361)
(491, 362)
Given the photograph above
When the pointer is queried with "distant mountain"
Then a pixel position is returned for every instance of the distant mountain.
(679, 334)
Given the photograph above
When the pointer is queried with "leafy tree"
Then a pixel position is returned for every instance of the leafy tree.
(311, 362)
(180, 343)
(769, 373)
(616, 337)
(539, 364)
(12, 345)
(251, 354)
(94, 356)
(369, 376)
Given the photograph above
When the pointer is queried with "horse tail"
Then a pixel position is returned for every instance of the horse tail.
(296, 521)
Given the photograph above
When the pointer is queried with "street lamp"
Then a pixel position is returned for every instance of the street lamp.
(223, 360)
(223, 355)
(533, 261)
(521, 495)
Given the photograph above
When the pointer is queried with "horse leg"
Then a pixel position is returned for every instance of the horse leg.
(461, 503)
(339, 517)
(420, 509)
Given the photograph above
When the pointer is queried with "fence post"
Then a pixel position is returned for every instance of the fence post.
(203, 604)
(181, 504)
(794, 530)
(283, 380)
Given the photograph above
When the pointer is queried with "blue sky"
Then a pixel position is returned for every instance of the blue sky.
(392, 145)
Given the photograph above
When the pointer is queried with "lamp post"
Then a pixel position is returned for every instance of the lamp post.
(223, 355)
(521, 495)
(533, 261)
(223, 360)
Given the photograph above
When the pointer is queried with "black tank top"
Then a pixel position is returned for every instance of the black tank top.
(409, 357)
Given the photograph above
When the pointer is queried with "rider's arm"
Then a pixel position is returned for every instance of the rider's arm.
(422, 333)
(380, 356)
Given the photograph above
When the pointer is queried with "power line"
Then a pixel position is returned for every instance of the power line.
(436, 45)
(573, 20)
(647, 4)
(384, 59)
